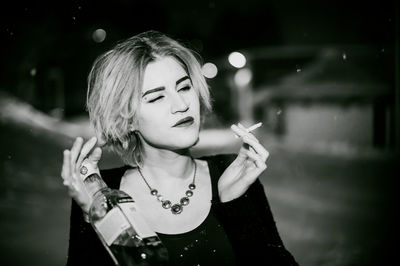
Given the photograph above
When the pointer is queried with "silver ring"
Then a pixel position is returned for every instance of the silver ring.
(83, 170)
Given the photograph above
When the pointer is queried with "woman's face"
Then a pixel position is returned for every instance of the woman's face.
(169, 113)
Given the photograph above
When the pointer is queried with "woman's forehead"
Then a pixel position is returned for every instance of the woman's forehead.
(162, 72)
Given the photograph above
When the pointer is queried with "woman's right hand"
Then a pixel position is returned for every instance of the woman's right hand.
(70, 169)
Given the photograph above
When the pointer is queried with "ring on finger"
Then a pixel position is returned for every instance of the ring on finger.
(87, 168)
(83, 170)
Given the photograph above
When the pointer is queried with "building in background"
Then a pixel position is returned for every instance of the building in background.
(341, 96)
(336, 97)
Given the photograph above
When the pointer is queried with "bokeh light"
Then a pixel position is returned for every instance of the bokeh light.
(237, 59)
(99, 35)
(243, 77)
(209, 70)
(33, 72)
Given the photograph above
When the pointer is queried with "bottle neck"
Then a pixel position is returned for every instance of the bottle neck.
(93, 184)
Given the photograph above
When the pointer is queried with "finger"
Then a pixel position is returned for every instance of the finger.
(258, 166)
(252, 156)
(87, 147)
(242, 127)
(257, 147)
(249, 134)
(76, 147)
(65, 171)
(75, 177)
(240, 132)
(76, 184)
(242, 156)
(95, 155)
(257, 160)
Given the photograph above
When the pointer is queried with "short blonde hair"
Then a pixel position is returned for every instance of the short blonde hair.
(115, 83)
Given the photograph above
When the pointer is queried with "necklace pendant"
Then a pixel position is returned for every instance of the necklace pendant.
(176, 209)
(166, 204)
(184, 201)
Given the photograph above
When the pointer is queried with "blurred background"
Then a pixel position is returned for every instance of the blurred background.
(323, 77)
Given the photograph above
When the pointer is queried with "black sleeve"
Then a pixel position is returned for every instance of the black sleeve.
(249, 224)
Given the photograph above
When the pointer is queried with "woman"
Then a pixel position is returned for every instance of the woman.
(146, 98)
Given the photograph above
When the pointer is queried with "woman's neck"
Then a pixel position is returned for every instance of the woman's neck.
(161, 163)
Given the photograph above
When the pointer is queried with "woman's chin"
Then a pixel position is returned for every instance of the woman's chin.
(186, 143)
(182, 142)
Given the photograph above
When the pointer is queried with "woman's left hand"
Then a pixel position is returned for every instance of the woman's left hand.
(245, 169)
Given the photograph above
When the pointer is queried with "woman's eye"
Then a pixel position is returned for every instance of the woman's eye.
(156, 99)
(186, 88)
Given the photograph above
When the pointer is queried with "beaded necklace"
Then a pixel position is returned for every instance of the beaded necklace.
(176, 208)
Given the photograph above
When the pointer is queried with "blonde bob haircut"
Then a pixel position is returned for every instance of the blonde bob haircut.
(115, 84)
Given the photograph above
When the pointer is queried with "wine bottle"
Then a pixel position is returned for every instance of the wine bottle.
(121, 228)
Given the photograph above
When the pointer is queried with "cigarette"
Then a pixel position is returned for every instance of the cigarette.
(254, 127)
(249, 129)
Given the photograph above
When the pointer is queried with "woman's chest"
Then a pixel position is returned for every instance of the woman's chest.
(167, 222)
(164, 218)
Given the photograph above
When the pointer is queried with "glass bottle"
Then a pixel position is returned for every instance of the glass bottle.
(120, 227)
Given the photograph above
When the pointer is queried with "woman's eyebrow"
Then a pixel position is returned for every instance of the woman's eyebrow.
(153, 90)
(183, 79)
(163, 88)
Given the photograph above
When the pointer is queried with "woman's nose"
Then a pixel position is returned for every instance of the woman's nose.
(178, 104)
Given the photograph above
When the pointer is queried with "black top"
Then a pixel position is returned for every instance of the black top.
(205, 245)
(245, 225)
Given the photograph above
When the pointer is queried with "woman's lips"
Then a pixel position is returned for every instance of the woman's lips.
(187, 121)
